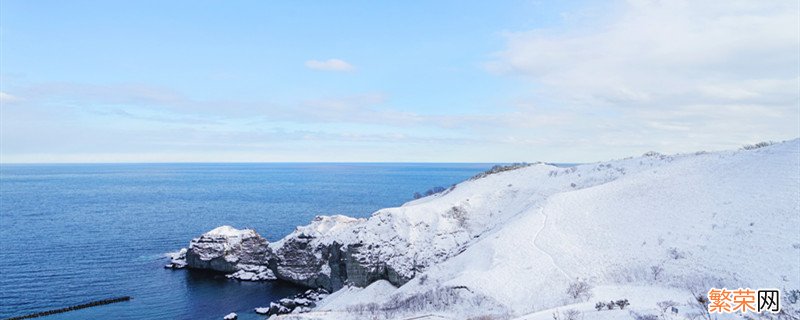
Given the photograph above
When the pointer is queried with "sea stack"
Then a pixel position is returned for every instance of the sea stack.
(227, 249)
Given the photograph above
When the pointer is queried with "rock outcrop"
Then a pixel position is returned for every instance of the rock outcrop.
(229, 250)
(177, 260)
(394, 244)
(305, 258)
(496, 243)
(302, 302)
(333, 251)
(231, 316)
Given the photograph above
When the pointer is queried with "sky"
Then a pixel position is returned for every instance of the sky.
(393, 81)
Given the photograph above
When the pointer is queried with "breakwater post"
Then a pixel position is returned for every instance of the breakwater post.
(72, 308)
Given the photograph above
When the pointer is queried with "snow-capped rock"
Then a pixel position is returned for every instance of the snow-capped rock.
(306, 257)
(298, 303)
(231, 316)
(225, 248)
(251, 272)
(177, 259)
(508, 245)
(262, 310)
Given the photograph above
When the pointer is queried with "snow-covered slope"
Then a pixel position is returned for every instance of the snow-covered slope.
(646, 229)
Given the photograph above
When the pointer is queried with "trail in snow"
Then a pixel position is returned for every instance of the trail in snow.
(536, 236)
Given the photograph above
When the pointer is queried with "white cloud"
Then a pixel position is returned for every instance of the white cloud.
(330, 65)
(719, 72)
(8, 98)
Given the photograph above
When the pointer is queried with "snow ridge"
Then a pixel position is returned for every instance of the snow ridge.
(519, 238)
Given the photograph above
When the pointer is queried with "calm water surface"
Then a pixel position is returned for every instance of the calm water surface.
(75, 233)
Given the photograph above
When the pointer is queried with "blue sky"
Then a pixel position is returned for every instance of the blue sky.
(442, 81)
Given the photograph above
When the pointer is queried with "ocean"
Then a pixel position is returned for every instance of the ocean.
(75, 233)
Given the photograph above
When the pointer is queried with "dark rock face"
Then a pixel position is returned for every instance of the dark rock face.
(329, 253)
(331, 266)
(300, 261)
(364, 266)
(224, 249)
(302, 302)
(315, 256)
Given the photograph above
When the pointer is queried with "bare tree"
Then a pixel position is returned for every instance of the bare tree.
(656, 271)
(579, 289)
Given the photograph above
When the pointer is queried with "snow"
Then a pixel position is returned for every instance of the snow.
(233, 235)
(226, 231)
(516, 240)
(249, 272)
(177, 259)
(231, 316)
(262, 310)
(330, 228)
(349, 296)
(180, 254)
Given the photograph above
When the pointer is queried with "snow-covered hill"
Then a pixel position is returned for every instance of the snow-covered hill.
(508, 245)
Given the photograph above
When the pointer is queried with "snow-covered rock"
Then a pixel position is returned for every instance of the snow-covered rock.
(262, 310)
(299, 303)
(231, 316)
(227, 249)
(251, 272)
(308, 257)
(510, 244)
(177, 259)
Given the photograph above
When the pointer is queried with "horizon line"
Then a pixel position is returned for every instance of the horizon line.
(277, 162)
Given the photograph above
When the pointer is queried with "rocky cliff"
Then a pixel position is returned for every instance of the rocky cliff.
(512, 243)
(394, 244)
(243, 254)
(332, 251)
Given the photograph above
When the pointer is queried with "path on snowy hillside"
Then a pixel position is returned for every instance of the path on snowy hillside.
(540, 210)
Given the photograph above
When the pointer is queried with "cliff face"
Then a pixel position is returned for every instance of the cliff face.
(309, 256)
(394, 244)
(329, 253)
(513, 242)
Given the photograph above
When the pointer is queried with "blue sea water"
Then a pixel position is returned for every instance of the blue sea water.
(70, 234)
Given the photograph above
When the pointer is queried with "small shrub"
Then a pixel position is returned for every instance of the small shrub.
(434, 190)
(364, 308)
(579, 289)
(675, 254)
(699, 303)
(436, 300)
(459, 214)
(429, 192)
(656, 271)
(600, 305)
(666, 305)
(501, 168)
(610, 305)
(638, 316)
(757, 145)
(793, 296)
(572, 314)
(622, 303)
